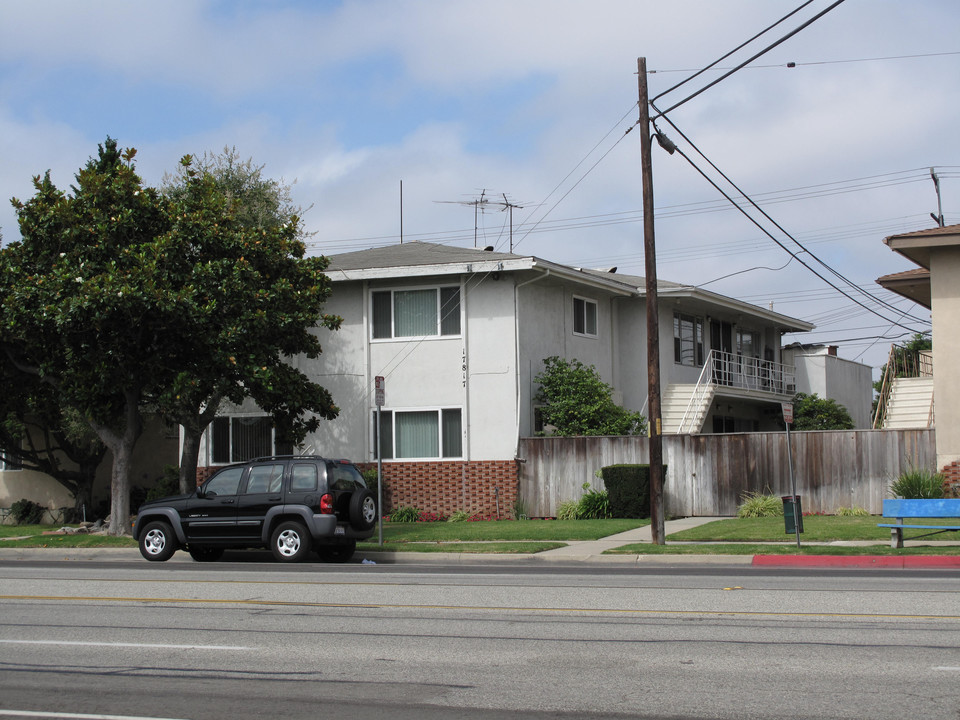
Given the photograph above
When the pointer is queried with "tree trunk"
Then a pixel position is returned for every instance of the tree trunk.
(121, 446)
(189, 457)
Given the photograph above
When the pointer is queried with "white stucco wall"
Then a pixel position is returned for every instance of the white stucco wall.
(847, 382)
(945, 295)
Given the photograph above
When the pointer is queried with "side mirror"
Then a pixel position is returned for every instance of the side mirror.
(200, 493)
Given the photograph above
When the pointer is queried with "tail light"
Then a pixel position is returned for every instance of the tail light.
(326, 504)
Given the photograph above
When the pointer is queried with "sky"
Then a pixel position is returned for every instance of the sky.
(532, 103)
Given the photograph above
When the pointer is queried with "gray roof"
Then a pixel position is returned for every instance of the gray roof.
(411, 254)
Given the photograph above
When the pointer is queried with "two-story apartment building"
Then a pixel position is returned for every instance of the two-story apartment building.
(459, 335)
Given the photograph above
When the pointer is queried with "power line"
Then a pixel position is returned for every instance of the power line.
(746, 62)
(822, 62)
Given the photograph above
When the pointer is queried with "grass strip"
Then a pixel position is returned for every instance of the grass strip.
(490, 548)
(816, 528)
(757, 549)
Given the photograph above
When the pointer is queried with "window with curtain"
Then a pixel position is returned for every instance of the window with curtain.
(420, 434)
(415, 313)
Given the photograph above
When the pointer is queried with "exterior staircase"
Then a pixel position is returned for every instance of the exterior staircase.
(910, 404)
(674, 404)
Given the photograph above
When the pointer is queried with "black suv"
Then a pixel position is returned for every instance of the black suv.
(288, 504)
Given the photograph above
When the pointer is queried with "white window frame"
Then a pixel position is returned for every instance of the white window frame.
(233, 459)
(699, 346)
(438, 333)
(596, 317)
(393, 412)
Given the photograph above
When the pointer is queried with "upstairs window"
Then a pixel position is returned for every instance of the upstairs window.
(687, 340)
(584, 317)
(416, 313)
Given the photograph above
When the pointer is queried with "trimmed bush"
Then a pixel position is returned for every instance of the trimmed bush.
(628, 487)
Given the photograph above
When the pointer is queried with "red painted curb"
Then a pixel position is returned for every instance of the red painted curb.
(859, 561)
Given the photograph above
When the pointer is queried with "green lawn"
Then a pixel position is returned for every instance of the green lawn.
(730, 537)
(816, 528)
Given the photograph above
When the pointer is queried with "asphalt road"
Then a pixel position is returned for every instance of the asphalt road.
(249, 640)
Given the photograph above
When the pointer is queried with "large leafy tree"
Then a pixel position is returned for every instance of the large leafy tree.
(254, 294)
(38, 432)
(811, 412)
(576, 401)
(118, 296)
(87, 306)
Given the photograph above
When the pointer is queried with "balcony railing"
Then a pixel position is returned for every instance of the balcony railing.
(750, 373)
(726, 370)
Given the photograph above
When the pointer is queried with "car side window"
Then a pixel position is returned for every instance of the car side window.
(344, 477)
(224, 482)
(304, 478)
(265, 479)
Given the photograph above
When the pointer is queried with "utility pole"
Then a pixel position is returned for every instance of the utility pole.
(653, 320)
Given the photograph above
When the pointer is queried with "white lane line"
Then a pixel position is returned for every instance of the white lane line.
(121, 644)
(76, 716)
(947, 668)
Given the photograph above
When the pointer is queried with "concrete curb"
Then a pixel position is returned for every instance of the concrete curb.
(572, 558)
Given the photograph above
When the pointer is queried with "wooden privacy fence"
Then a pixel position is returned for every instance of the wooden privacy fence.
(708, 474)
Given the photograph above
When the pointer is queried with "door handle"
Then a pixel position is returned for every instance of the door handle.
(229, 501)
(273, 498)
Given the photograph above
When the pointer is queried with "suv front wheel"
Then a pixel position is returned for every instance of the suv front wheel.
(157, 542)
(290, 542)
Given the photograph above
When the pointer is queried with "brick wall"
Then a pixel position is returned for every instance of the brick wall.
(442, 487)
(951, 484)
(445, 487)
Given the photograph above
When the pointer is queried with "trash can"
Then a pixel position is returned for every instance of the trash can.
(792, 514)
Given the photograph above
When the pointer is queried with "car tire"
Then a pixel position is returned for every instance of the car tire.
(202, 553)
(157, 541)
(363, 510)
(290, 542)
(339, 553)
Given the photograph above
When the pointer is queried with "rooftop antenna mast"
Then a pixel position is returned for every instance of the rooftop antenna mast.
(478, 204)
(509, 206)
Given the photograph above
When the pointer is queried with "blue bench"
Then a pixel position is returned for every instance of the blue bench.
(913, 509)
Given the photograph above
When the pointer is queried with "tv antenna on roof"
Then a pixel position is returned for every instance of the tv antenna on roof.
(477, 203)
(482, 202)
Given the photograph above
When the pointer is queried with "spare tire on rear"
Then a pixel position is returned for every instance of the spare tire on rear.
(363, 510)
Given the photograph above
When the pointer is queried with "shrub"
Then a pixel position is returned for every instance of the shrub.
(756, 504)
(27, 512)
(520, 511)
(166, 486)
(918, 483)
(628, 487)
(568, 510)
(459, 516)
(851, 511)
(405, 514)
(372, 481)
(595, 504)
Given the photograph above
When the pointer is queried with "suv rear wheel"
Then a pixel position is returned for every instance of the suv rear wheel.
(363, 510)
(157, 541)
(290, 542)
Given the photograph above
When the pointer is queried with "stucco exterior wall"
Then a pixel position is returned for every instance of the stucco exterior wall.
(847, 382)
(945, 295)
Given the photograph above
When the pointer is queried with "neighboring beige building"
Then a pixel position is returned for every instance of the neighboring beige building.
(937, 287)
